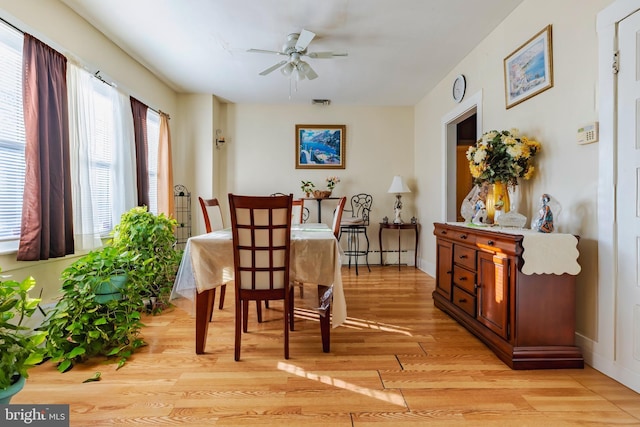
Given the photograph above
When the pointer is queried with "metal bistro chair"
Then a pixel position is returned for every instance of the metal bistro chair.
(261, 228)
(354, 225)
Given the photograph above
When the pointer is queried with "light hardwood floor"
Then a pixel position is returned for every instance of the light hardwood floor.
(397, 361)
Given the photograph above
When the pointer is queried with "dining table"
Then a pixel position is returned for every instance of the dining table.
(207, 263)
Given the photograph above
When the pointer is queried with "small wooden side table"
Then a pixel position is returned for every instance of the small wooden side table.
(399, 227)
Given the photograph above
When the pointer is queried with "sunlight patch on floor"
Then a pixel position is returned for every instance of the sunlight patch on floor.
(386, 396)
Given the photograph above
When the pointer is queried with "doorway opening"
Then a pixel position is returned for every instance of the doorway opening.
(465, 137)
(462, 127)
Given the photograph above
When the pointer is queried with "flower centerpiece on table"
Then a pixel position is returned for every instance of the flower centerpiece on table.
(502, 156)
(332, 181)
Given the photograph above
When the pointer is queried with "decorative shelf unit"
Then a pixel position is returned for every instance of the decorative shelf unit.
(182, 206)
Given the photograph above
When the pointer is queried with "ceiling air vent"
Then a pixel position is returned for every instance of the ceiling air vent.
(321, 101)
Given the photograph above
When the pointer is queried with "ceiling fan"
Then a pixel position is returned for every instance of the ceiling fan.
(295, 48)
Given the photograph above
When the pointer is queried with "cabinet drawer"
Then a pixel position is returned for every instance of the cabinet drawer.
(465, 301)
(464, 256)
(465, 279)
(508, 246)
(464, 236)
(456, 235)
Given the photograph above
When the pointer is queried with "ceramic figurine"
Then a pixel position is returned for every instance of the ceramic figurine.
(470, 205)
(480, 216)
(544, 222)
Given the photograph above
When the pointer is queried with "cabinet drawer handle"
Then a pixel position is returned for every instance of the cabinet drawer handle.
(449, 272)
(462, 300)
(463, 256)
(463, 237)
(443, 232)
(476, 286)
(462, 279)
(491, 243)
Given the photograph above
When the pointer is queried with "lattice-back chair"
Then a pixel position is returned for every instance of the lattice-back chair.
(212, 214)
(261, 229)
(355, 224)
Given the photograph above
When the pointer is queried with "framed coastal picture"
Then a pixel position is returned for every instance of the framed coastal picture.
(320, 146)
(529, 69)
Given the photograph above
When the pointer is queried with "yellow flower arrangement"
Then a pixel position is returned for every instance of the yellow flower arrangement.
(502, 156)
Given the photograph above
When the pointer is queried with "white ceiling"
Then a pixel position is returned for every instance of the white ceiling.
(397, 49)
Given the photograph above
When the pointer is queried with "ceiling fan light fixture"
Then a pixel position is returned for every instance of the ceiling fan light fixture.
(298, 73)
(287, 69)
(296, 48)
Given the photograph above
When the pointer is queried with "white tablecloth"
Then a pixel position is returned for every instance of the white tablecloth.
(207, 262)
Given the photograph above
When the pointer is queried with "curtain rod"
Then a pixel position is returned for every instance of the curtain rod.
(102, 79)
(11, 25)
(96, 74)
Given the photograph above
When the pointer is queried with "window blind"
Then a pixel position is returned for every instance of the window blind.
(12, 133)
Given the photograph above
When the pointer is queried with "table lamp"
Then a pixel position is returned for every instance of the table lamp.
(398, 187)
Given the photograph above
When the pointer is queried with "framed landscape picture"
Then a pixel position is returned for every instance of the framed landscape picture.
(320, 146)
(529, 69)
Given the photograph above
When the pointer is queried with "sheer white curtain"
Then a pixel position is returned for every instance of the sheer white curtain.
(123, 177)
(81, 131)
(103, 171)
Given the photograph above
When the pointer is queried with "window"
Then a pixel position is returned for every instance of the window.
(153, 140)
(12, 133)
(106, 119)
(101, 157)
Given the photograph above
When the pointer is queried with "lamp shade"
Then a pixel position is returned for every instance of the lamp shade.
(398, 186)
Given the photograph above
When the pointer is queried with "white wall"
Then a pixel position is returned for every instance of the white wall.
(566, 170)
(379, 144)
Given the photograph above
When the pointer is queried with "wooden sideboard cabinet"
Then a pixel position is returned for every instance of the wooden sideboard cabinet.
(528, 321)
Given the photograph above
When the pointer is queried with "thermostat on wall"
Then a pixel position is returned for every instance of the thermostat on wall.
(588, 134)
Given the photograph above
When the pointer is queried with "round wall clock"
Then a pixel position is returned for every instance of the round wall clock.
(459, 87)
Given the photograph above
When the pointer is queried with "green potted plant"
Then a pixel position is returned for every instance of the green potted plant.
(151, 238)
(20, 346)
(307, 187)
(99, 311)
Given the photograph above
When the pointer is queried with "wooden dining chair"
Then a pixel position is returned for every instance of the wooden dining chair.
(297, 207)
(297, 217)
(299, 213)
(212, 206)
(337, 217)
(261, 229)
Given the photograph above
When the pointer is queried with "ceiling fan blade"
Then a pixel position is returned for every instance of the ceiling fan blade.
(273, 68)
(304, 39)
(308, 71)
(324, 55)
(273, 52)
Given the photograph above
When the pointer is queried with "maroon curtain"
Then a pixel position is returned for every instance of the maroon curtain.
(47, 217)
(140, 130)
